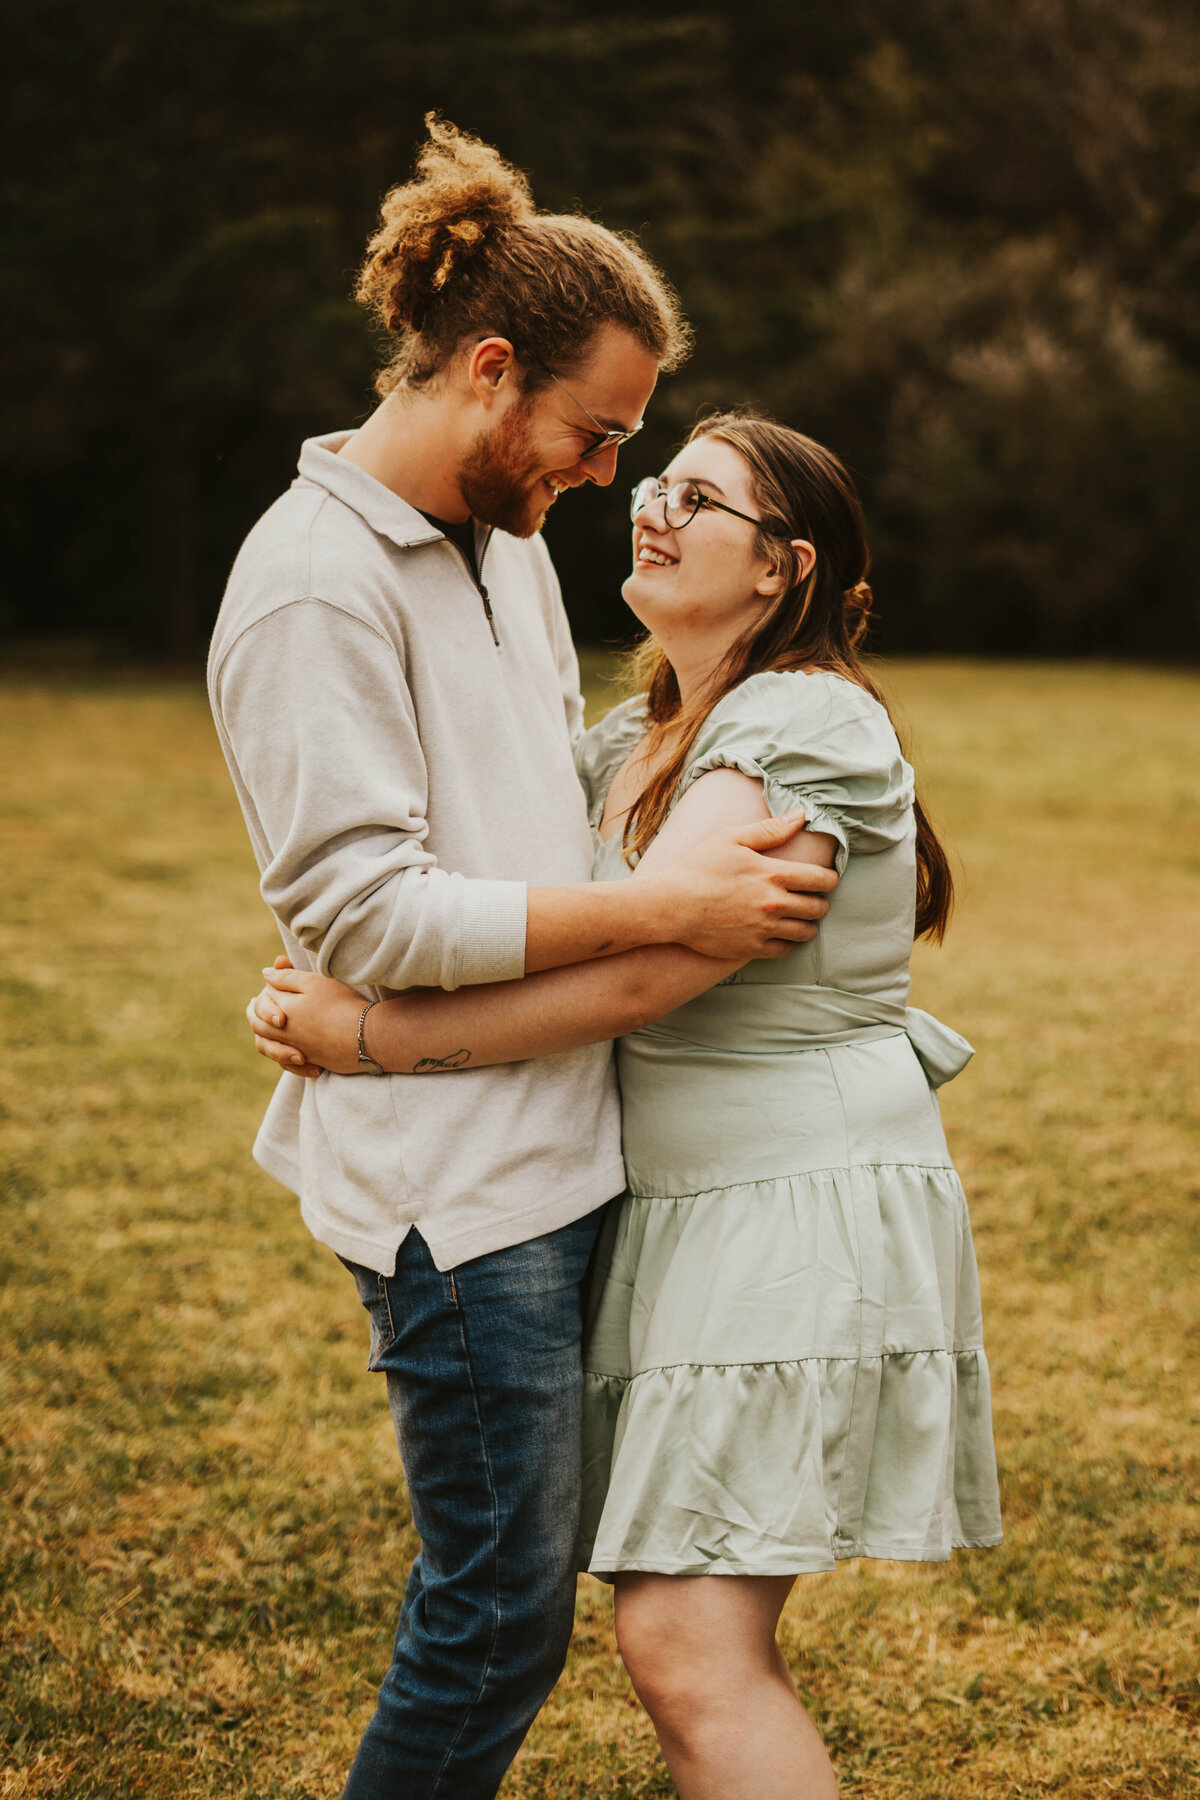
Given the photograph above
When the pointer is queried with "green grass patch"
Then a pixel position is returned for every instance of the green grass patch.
(204, 1535)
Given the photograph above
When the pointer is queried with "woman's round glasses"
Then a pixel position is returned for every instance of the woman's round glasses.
(683, 500)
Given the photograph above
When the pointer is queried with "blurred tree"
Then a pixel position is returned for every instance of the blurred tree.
(957, 241)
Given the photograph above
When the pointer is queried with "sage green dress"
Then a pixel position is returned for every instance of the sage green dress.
(784, 1361)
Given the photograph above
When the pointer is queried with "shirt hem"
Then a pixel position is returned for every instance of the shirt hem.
(450, 1248)
(277, 1162)
(364, 1251)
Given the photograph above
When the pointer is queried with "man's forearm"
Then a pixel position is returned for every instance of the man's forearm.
(602, 918)
(723, 893)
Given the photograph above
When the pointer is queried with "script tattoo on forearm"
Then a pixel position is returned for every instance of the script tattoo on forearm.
(431, 1065)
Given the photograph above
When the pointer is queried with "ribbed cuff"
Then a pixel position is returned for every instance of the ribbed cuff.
(491, 932)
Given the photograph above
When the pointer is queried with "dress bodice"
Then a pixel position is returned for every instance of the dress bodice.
(821, 742)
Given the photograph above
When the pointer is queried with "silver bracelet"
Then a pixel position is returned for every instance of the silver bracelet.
(366, 1064)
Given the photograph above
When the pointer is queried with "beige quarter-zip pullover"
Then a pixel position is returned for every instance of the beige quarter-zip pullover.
(404, 766)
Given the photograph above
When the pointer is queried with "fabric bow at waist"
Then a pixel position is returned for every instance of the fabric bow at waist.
(759, 1018)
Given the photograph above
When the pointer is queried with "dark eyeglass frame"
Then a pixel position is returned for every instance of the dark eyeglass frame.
(637, 505)
(606, 436)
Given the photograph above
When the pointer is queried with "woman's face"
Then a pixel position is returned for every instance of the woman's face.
(698, 588)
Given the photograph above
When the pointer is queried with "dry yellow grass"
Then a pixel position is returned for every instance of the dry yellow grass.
(204, 1537)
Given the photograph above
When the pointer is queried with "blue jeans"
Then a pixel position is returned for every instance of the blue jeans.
(485, 1388)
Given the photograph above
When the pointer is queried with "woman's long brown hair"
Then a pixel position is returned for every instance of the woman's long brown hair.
(817, 622)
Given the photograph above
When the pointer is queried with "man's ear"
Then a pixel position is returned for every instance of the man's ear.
(492, 369)
(772, 585)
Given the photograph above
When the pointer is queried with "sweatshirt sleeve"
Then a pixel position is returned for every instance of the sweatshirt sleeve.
(317, 721)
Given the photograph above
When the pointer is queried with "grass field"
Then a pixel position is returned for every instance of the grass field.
(204, 1536)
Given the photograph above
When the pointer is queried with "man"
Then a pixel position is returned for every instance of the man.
(396, 693)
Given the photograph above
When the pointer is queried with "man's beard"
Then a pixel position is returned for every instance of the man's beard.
(495, 477)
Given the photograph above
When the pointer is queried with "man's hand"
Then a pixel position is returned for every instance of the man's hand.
(729, 899)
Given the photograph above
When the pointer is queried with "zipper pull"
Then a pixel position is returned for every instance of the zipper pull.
(487, 607)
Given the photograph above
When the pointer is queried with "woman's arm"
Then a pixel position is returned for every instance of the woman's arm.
(562, 1009)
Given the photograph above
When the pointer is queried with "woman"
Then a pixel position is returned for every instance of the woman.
(785, 1363)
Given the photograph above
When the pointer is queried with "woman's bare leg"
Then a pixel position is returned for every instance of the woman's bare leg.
(701, 1653)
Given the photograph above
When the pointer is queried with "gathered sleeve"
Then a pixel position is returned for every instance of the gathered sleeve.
(816, 741)
(600, 752)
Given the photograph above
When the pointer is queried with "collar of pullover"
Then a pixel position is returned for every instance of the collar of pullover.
(384, 511)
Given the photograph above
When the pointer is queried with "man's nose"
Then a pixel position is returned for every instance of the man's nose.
(602, 467)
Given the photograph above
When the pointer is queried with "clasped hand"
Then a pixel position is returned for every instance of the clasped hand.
(305, 1022)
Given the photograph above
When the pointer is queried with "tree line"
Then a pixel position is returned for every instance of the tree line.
(956, 240)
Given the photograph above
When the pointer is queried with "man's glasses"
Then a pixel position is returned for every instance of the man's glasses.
(606, 437)
(683, 500)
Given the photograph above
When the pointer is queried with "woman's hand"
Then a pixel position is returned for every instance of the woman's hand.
(305, 1022)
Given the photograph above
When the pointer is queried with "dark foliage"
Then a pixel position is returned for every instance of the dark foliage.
(957, 240)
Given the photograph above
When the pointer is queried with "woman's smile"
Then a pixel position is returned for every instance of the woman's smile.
(650, 555)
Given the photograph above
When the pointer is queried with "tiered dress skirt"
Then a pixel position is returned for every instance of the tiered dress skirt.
(784, 1361)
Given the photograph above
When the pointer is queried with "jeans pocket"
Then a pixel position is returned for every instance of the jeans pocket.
(373, 1294)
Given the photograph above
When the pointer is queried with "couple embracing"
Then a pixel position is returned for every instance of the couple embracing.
(723, 1329)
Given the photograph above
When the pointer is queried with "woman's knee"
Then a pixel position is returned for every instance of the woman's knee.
(672, 1677)
(691, 1650)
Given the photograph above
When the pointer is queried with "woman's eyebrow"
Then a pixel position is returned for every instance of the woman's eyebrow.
(700, 481)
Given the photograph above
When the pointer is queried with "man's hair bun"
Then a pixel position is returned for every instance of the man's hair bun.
(433, 226)
(462, 253)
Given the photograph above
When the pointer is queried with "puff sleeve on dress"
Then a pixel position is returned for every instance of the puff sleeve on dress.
(816, 741)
